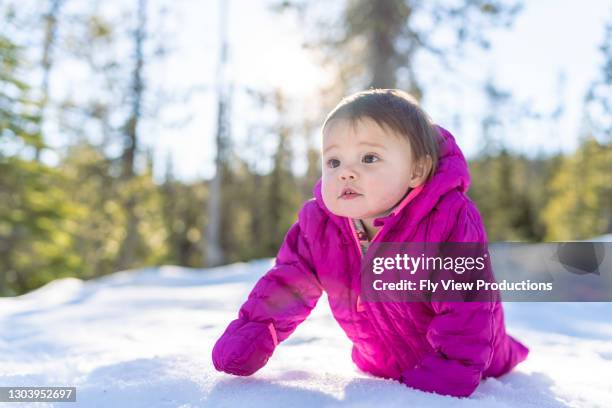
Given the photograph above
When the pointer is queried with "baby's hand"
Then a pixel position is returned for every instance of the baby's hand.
(244, 348)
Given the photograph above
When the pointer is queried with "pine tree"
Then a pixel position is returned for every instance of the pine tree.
(35, 246)
(376, 43)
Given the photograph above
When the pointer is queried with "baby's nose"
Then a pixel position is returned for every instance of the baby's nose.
(348, 174)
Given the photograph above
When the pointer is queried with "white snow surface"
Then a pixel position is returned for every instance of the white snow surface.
(143, 338)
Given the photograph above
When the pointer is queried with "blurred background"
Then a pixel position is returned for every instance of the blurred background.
(148, 132)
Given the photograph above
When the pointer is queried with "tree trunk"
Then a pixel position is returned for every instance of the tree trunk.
(214, 253)
(50, 21)
(127, 253)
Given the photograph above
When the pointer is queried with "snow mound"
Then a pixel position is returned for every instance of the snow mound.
(143, 338)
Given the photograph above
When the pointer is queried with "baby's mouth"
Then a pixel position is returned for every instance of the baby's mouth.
(349, 193)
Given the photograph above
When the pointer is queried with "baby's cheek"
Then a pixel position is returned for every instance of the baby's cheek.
(388, 195)
(327, 197)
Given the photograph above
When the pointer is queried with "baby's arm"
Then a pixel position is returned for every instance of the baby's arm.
(280, 300)
(461, 334)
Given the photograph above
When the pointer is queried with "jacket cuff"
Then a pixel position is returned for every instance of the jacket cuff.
(273, 334)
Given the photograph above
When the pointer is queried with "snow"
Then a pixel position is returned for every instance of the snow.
(143, 338)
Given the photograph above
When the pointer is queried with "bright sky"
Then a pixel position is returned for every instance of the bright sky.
(265, 52)
(548, 39)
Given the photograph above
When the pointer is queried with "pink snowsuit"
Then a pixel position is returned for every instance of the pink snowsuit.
(442, 347)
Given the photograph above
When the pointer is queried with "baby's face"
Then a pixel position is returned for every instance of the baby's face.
(366, 169)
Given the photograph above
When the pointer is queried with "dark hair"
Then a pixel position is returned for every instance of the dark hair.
(396, 110)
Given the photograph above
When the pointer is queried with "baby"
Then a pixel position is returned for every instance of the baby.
(389, 175)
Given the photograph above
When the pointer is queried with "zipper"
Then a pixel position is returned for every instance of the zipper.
(361, 253)
(359, 306)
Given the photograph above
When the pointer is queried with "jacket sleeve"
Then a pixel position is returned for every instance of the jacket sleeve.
(461, 334)
(278, 303)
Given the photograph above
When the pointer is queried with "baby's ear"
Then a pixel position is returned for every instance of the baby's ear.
(420, 171)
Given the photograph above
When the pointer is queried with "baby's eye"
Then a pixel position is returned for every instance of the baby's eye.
(333, 163)
(369, 158)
